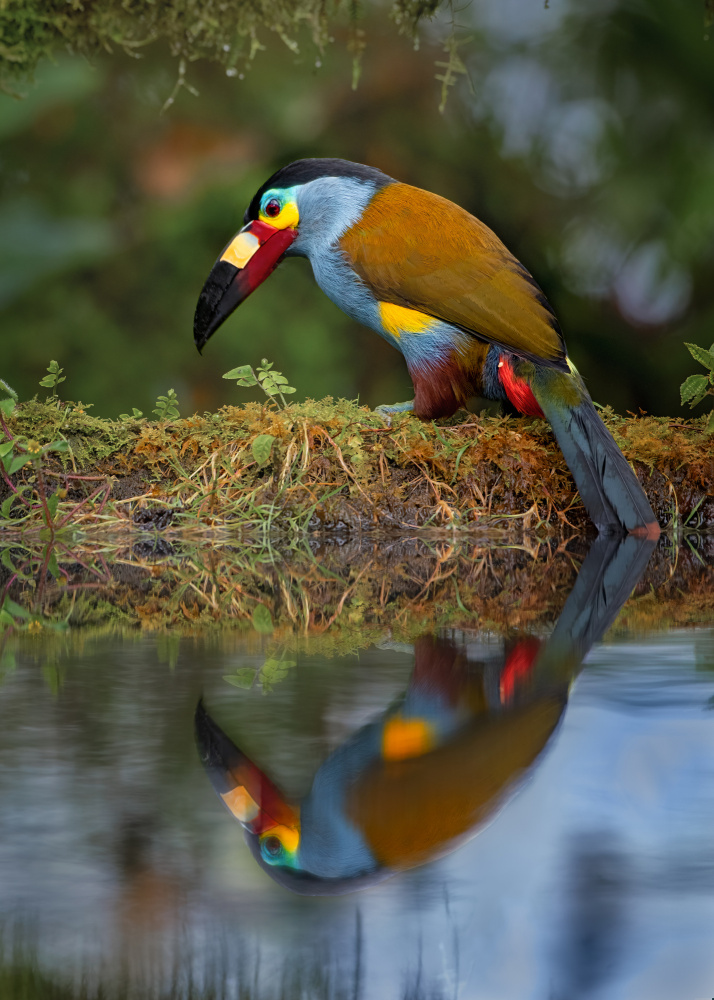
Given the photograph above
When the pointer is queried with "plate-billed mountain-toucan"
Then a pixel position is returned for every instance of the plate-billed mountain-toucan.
(427, 773)
(442, 288)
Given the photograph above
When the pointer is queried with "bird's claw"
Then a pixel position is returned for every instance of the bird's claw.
(387, 410)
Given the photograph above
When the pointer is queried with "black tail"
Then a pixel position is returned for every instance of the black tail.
(609, 488)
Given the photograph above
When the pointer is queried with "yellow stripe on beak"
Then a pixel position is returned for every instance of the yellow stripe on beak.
(241, 804)
(241, 249)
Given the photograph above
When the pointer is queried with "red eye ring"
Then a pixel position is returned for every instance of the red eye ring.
(272, 208)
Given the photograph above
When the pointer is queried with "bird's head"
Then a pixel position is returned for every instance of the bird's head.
(302, 209)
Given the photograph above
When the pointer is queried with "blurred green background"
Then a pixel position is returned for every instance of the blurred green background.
(582, 135)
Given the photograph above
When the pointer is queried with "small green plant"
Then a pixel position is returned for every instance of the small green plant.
(53, 378)
(7, 405)
(274, 384)
(696, 387)
(135, 414)
(167, 407)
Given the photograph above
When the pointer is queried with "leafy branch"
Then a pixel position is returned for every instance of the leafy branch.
(167, 407)
(696, 387)
(273, 383)
(53, 378)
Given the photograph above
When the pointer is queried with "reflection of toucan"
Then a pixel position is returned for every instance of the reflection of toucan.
(440, 287)
(426, 774)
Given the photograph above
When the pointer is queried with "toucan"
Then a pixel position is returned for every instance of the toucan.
(427, 773)
(440, 286)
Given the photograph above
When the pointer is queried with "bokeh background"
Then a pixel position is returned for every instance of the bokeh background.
(582, 133)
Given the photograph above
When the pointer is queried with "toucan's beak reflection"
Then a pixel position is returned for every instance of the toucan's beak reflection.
(258, 804)
(244, 264)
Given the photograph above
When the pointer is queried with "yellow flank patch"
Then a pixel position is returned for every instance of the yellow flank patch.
(397, 320)
(405, 738)
(241, 249)
(287, 217)
(241, 804)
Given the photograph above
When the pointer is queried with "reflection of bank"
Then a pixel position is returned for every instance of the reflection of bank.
(413, 784)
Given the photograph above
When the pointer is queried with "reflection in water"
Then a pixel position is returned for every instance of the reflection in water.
(416, 782)
(120, 876)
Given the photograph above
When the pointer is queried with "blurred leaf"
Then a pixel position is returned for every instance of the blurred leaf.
(243, 678)
(52, 502)
(16, 610)
(17, 463)
(262, 619)
(7, 406)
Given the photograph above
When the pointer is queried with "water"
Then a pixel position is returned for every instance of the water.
(482, 812)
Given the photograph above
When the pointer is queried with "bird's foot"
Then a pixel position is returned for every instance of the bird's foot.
(387, 409)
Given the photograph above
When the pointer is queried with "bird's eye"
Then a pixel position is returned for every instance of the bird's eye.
(272, 208)
(272, 847)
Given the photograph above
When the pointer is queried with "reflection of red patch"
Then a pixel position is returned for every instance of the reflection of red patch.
(517, 390)
(518, 665)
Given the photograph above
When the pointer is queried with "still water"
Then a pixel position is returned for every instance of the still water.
(446, 811)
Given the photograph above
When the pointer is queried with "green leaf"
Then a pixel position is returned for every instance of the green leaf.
(6, 448)
(52, 504)
(262, 619)
(6, 506)
(16, 610)
(57, 446)
(243, 678)
(7, 561)
(17, 463)
(702, 355)
(53, 567)
(287, 389)
(709, 429)
(7, 406)
(244, 373)
(262, 447)
(694, 389)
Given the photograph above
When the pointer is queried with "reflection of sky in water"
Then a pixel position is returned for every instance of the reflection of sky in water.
(596, 879)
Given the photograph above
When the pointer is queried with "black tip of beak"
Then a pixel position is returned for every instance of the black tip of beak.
(219, 297)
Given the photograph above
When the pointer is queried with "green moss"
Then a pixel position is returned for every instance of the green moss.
(227, 33)
(333, 465)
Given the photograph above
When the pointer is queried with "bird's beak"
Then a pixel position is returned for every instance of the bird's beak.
(244, 264)
(249, 794)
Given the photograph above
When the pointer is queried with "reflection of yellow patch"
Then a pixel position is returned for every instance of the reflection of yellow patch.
(404, 738)
(288, 836)
(241, 249)
(288, 216)
(397, 320)
(241, 804)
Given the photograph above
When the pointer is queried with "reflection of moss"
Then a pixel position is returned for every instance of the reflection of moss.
(329, 598)
(229, 33)
(338, 466)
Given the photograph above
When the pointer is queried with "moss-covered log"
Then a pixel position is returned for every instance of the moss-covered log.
(332, 466)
